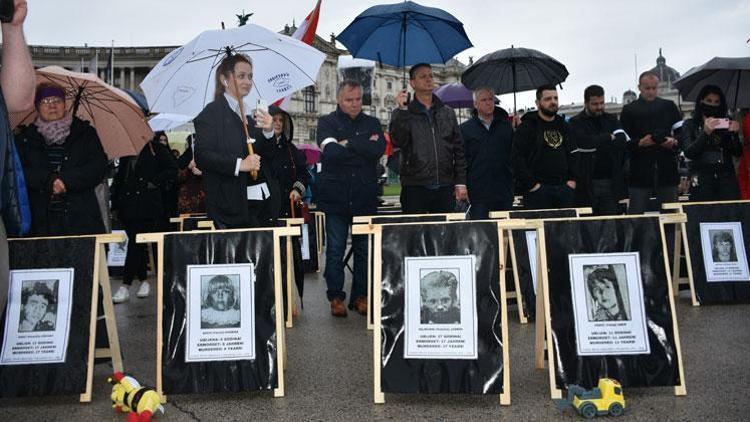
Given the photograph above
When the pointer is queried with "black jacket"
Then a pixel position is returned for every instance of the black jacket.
(657, 118)
(288, 165)
(527, 155)
(712, 153)
(83, 168)
(595, 148)
(138, 184)
(432, 152)
(488, 169)
(348, 182)
(220, 141)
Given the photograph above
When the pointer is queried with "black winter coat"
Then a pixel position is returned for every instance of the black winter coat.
(137, 187)
(220, 141)
(712, 154)
(593, 137)
(488, 168)
(657, 118)
(288, 165)
(83, 168)
(432, 152)
(348, 182)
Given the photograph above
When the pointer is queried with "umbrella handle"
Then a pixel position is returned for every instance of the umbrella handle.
(254, 173)
(291, 206)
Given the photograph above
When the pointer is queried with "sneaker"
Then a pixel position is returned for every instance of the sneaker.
(122, 295)
(144, 290)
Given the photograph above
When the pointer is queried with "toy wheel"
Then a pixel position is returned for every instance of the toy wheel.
(615, 409)
(588, 411)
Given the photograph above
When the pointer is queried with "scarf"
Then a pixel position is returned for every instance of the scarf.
(54, 132)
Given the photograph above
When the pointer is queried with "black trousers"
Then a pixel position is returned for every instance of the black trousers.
(715, 187)
(136, 259)
(421, 200)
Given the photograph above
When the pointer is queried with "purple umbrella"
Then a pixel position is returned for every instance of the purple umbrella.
(311, 151)
(455, 95)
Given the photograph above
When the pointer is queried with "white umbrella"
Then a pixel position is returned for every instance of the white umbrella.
(183, 81)
(167, 121)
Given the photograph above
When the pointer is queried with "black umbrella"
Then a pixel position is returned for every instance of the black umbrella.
(514, 70)
(139, 99)
(731, 74)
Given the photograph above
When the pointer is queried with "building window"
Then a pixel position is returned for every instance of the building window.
(313, 134)
(309, 94)
(390, 85)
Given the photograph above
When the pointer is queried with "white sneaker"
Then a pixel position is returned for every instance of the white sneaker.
(122, 295)
(144, 290)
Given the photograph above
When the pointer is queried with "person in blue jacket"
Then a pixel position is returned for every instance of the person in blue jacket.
(352, 143)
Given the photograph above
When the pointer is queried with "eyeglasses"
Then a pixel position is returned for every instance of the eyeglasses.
(52, 100)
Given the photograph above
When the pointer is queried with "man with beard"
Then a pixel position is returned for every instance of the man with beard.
(544, 156)
(439, 300)
(220, 308)
(601, 153)
(650, 121)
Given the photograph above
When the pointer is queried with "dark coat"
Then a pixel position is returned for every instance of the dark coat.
(138, 184)
(432, 152)
(288, 165)
(710, 154)
(83, 168)
(488, 168)
(348, 183)
(593, 137)
(220, 141)
(639, 119)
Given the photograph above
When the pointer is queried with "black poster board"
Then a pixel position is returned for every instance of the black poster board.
(181, 250)
(482, 375)
(191, 223)
(643, 234)
(716, 292)
(58, 378)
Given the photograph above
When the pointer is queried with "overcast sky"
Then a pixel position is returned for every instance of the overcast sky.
(598, 40)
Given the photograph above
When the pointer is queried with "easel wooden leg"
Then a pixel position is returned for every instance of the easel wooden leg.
(370, 264)
(676, 267)
(505, 396)
(555, 392)
(679, 390)
(86, 396)
(378, 396)
(539, 335)
(280, 338)
(689, 265)
(289, 283)
(109, 313)
(516, 282)
(160, 319)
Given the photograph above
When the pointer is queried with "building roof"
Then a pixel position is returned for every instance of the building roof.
(664, 72)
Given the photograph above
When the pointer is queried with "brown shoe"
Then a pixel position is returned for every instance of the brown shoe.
(360, 305)
(337, 308)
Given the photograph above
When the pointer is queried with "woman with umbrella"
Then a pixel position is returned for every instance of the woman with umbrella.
(233, 199)
(710, 140)
(63, 162)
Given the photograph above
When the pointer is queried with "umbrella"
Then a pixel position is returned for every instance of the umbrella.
(311, 151)
(514, 70)
(167, 121)
(423, 35)
(139, 99)
(119, 122)
(183, 81)
(731, 74)
(455, 95)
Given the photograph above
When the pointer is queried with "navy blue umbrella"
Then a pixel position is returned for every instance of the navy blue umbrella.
(139, 99)
(404, 34)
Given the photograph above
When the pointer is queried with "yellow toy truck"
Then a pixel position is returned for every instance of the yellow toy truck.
(606, 398)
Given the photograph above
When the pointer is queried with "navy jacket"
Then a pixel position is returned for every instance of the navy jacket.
(348, 182)
(488, 168)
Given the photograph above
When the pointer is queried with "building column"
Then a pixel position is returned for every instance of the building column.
(122, 77)
(132, 78)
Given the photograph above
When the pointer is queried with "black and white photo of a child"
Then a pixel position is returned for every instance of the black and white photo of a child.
(722, 246)
(605, 294)
(439, 297)
(38, 306)
(220, 305)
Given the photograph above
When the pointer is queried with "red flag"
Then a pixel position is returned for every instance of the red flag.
(306, 34)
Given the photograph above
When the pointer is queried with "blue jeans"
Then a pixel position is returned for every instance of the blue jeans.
(337, 232)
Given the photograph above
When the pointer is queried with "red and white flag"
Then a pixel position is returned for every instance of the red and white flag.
(306, 34)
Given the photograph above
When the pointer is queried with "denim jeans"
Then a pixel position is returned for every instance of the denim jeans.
(604, 201)
(337, 232)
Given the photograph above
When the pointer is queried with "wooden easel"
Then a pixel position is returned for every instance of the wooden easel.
(375, 230)
(681, 241)
(158, 238)
(320, 232)
(101, 279)
(291, 222)
(511, 249)
(181, 219)
(367, 219)
(542, 306)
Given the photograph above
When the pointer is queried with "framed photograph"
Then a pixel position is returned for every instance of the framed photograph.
(724, 252)
(440, 311)
(533, 258)
(37, 317)
(220, 312)
(117, 251)
(608, 304)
